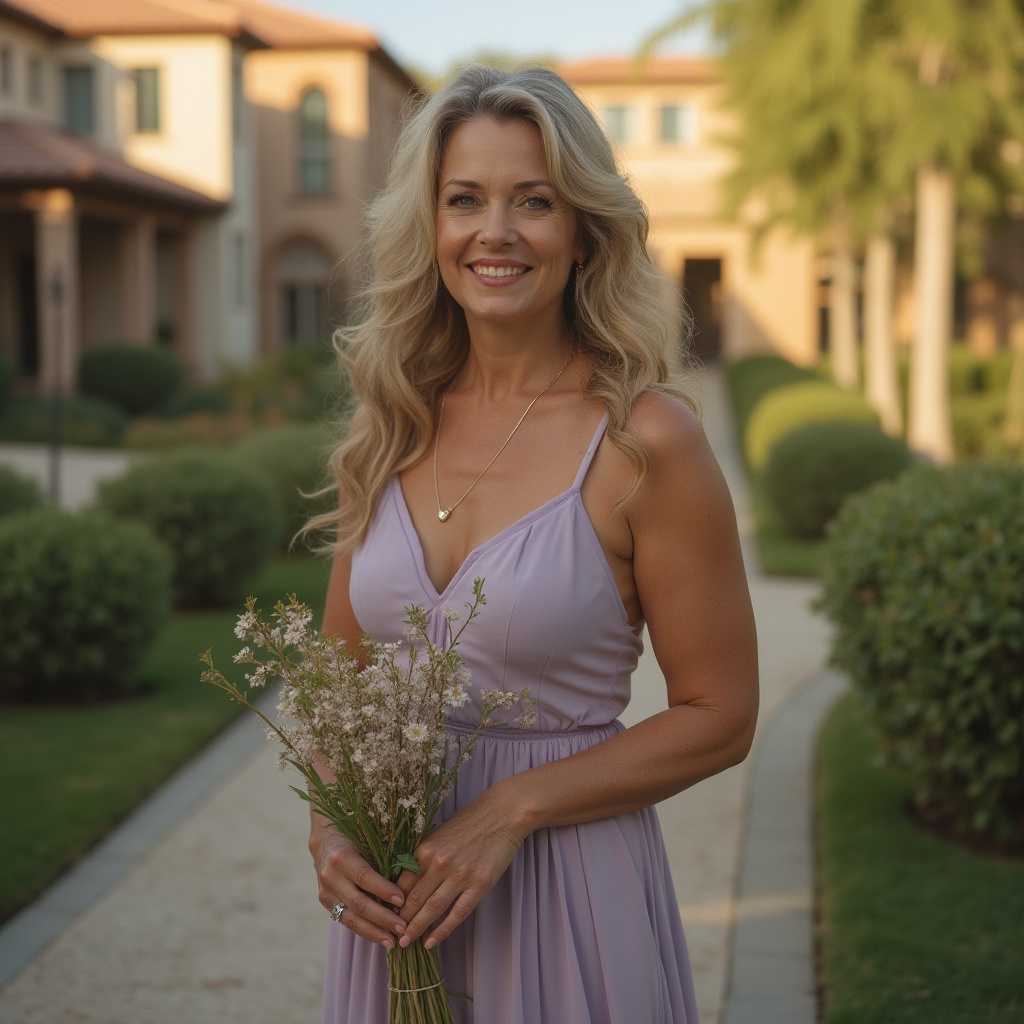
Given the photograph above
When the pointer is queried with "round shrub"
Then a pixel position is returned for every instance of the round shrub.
(18, 493)
(814, 469)
(751, 378)
(291, 458)
(136, 378)
(924, 580)
(89, 422)
(82, 597)
(796, 405)
(219, 519)
(203, 400)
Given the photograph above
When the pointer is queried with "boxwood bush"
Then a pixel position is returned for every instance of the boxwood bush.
(136, 378)
(812, 470)
(219, 519)
(18, 493)
(924, 581)
(89, 422)
(291, 458)
(751, 378)
(82, 597)
(795, 405)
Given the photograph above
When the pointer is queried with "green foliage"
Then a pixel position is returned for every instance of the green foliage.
(81, 599)
(812, 470)
(17, 493)
(796, 405)
(978, 427)
(924, 581)
(89, 422)
(911, 929)
(971, 374)
(6, 380)
(135, 378)
(219, 519)
(751, 378)
(291, 458)
(212, 400)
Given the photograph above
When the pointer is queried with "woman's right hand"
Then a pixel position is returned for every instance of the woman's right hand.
(346, 877)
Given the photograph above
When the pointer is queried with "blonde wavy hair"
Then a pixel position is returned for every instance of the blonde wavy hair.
(411, 340)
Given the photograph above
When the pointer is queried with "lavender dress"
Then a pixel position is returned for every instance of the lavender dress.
(583, 928)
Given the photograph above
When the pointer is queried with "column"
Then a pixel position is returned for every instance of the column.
(138, 274)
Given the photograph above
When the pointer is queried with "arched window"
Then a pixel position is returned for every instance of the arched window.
(314, 144)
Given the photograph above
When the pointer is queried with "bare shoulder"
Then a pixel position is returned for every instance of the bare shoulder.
(685, 480)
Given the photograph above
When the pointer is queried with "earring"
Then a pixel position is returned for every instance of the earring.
(579, 271)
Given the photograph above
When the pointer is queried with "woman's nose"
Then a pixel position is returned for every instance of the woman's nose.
(497, 227)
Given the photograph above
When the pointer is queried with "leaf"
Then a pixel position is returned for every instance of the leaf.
(407, 862)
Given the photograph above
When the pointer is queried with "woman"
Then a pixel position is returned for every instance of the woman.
(519, 422)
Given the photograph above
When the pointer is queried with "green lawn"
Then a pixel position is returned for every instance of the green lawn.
(70, 774)
(913, 930)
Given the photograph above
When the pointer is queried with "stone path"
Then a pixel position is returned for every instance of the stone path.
(202, 907)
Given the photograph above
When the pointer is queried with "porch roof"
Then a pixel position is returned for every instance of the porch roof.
(33, 156)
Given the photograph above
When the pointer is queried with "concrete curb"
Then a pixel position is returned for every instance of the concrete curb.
(772, 976)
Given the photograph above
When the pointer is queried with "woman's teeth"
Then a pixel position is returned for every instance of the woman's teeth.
(499, 271)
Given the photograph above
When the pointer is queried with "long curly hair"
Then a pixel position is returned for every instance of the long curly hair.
(411, 340)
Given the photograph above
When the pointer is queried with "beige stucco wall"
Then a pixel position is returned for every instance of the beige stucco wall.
(25, 43)
(769, 303)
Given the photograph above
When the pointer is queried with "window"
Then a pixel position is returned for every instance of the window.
(6, 71)
(304, 272)
(675, 125)
(79, 114)
(314, 144)
(147, 99)
(616, 122)
(238, 267)
(35, 80)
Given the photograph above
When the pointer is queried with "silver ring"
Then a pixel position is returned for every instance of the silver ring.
(337, 910)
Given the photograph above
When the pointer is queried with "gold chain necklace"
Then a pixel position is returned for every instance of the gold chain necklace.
(444, 513)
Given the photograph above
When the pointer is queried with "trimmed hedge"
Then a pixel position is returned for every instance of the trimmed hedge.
(291, 458)
(924, 581)
(18, 493)
(219, 519)
(751, 378)
(814, 469)
(81, 599)
(135, 378)
(787, 408)
(89, 422)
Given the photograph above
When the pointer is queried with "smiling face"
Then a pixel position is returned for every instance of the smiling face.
(506, 241)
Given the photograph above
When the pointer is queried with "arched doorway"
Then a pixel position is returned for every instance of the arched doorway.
(303, 280)
(702, 290)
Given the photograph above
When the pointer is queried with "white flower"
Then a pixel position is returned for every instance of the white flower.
(408, 802)
(416, 732)
(242, 655)
(245, 625)
(258, 677)
(451, 614)
(455, 696)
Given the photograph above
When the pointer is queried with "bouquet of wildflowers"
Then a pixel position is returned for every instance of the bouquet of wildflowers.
(376, 722)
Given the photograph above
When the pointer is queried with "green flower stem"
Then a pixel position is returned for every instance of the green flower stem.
(415, 967)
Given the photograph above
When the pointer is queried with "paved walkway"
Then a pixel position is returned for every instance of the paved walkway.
(202, 906)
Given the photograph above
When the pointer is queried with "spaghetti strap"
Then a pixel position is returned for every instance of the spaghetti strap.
(588, 455)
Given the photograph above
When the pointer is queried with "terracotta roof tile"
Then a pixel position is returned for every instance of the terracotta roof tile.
(623, 70)
(33, 156)
(83, 18)
(288, 29)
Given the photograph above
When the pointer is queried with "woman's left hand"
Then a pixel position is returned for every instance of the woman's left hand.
(459, 862)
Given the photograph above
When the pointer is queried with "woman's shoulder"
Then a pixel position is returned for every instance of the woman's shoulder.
(665, 425)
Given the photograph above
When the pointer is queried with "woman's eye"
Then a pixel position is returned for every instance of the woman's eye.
(537, 203)
(462, 200)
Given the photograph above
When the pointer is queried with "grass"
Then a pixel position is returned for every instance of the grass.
(780, 553)
(72, 773)
(913, 929)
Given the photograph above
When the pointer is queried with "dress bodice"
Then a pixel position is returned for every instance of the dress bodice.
(554, 621)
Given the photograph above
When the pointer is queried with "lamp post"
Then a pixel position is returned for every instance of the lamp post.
(56, 384)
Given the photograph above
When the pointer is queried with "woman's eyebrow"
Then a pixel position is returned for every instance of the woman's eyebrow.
(463, 183)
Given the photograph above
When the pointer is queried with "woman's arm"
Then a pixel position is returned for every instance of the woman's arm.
(342, 873)
(689, 578)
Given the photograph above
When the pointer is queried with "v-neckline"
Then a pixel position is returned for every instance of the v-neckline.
(417, 544)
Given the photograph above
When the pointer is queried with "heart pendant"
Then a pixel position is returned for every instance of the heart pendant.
(443, 514)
